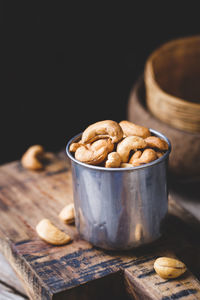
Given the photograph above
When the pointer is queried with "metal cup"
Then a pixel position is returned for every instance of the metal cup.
(120, 208)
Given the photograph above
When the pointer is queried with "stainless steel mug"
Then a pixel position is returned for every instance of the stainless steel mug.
(120, 208)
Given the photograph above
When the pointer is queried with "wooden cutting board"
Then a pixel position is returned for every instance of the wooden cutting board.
(79, 270)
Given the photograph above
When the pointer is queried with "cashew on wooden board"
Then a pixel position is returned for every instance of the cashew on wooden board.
(51, 234)
(67, 214)
(32, 158)
(167, 267)
(112, 145)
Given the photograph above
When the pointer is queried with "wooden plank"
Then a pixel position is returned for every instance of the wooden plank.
(50, 272)
(6, 293)
(8, 276)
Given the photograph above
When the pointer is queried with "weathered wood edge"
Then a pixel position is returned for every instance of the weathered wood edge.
(9, 278)
(22, 268)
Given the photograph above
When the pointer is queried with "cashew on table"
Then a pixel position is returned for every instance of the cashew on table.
(112, 145)
(51, 234)
(32, 158)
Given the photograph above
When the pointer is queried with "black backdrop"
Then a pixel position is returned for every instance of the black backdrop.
(67, 66)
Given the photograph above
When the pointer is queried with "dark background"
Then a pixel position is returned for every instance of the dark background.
(65, 66)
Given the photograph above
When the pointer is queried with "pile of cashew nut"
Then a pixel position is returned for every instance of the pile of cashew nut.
(118, 145)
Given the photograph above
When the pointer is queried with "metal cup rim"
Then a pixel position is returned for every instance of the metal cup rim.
(155, 162)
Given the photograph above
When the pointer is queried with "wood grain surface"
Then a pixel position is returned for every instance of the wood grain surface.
(79, 270)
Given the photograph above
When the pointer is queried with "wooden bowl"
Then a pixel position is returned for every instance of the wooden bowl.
(172, 81)
(184, 160)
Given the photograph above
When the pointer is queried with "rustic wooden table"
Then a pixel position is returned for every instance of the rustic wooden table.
(79, 270)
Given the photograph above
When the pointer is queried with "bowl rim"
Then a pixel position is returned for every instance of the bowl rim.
(149, 71)
(155, 162)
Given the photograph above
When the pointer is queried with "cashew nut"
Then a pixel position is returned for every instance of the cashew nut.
(102, 129)
(135, 155)
(168, 268)
(67, 214)
(102, 143)
(156, 142)
(159, 154)
(128, 144)
(136, 162)
(113, 161)
(74, 146)
(125, 165)
(91, 157)
(93, 146)
(130, 129)
(147, 156)
(94, 153)
(51, 234)
(30, 159)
